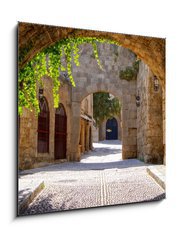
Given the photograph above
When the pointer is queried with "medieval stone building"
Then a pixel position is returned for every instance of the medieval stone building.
(63, 134)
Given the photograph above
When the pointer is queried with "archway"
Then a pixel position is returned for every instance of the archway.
(60, 133)
(111, 129)
(34, 37)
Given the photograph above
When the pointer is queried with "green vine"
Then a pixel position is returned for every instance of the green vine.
(49, 62)
(130, 73)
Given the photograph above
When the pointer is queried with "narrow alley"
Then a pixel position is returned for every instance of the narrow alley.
(101, 178)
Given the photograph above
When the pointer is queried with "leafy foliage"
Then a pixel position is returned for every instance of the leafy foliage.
(130, 73)
(49, 62)
(104, 107)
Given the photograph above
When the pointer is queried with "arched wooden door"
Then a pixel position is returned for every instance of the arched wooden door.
(111, 129)
(43, 127)
(60, 133)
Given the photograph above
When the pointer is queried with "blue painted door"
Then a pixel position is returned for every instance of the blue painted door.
(111, 129)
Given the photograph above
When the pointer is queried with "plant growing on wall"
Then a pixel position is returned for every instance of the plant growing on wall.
(130, 73)
(105, 107)
(48, 62)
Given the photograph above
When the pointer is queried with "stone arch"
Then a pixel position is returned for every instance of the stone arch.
(94, 88)
(34, 37)
(129, 146)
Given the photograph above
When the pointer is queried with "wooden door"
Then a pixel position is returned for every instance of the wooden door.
(43, 127)
(111, 129)
(60, 133)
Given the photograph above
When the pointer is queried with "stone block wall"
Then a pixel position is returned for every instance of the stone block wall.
(149, 118)
(90, 78)
(143, 128)
(87, 105)
(28, 153)
(129, 120)
(95, 134)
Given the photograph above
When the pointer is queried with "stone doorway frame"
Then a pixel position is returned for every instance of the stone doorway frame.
(129, 131)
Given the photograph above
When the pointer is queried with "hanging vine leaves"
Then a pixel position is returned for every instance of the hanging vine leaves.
(95, 50)
(49, 62)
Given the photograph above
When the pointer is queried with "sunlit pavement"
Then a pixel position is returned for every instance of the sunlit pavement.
(101, 178)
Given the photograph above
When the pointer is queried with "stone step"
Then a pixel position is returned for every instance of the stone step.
(157, 172)
(28, 190)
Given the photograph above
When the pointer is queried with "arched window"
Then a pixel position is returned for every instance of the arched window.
(60, 133)
(43, 126)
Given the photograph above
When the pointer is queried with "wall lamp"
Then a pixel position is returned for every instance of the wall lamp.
(40, 93)
(156, 84)
(137, 98)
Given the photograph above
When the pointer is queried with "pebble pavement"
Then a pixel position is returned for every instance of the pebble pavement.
(101, 178)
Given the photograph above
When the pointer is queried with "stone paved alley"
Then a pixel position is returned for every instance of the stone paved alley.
(100, 178)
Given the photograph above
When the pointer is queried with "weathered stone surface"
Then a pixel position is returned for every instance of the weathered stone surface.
(142, 127)
(150, 50)
(149, 118)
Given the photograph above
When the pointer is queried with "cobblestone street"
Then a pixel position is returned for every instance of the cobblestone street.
(100, 178)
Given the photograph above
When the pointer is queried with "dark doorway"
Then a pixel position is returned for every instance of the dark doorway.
(60, 133)
(111, 129)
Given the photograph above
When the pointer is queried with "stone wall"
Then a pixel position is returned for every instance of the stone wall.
(95, 134)
(142, 127)
(90, 78)
(28, 154)
(35, 37)
(164, 122)
(149, 118)
(87, 105)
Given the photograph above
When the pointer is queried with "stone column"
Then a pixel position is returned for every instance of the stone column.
(129, 121)
(87, 136)
(150, 118)
(83, 136)
(154, 149)
(102, 131)
(90, 137)
(75, 132)
(27, 139)
(164, 125)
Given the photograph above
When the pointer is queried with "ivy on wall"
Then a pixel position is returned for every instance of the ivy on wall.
(130, 72)
(48, 62)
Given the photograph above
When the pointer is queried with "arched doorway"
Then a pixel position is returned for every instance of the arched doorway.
(43, 126)
(111, 129)
(60, 133)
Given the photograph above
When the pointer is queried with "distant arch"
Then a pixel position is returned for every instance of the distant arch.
(106, 87)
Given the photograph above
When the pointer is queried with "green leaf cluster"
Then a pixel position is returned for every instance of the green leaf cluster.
(105, 107)
(49, 62)
(130, 73)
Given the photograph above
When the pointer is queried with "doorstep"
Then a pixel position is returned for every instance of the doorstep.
(158, 173)
(27, 191)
